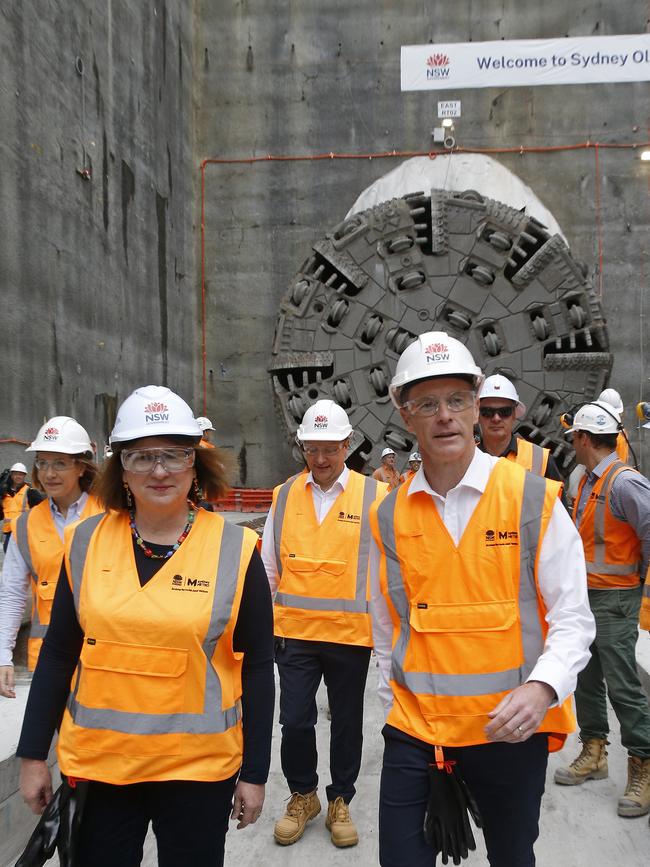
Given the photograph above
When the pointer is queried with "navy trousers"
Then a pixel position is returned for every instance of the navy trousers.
(190, 821)
(507, 781)
(344, 667)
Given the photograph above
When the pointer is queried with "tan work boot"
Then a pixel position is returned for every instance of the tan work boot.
(591, 764)
(300, 809)
(341, 827)
(636, 799)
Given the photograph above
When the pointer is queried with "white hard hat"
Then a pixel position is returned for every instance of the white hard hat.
(387, 452)
(18, 468)
(204, 423)
(324, 420)
(434, 353)
(62, 434)
(613, 398)
(597, 418)
(500, 386)
(152, 411)
(415, 456)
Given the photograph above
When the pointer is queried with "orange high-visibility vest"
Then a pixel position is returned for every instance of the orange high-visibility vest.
(157, 691)
(622, 448)
(13, 507)
(323, 590)
(644, 616)
(41, 548)
(530, 456)
(206, 444)
(468, 621)
(612, 548)
(388, 476)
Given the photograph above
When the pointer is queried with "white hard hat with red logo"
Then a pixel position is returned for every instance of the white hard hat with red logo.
(433, 354)
(62, 434)
(151, 411)
(500, 386)
(324, 420)
(613, 398)
(18, 468)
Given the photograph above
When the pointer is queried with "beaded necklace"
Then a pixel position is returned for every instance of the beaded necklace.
(145, 548)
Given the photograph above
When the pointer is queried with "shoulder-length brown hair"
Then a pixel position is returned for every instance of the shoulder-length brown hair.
(86, 480)
(211, 467)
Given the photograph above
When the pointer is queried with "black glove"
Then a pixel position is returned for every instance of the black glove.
(446, 823)
(57, 828)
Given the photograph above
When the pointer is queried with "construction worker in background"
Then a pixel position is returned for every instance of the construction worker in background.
(499, 408)
(415, 460)
(386, 472)
(64, 471)
(315, 550)
(18, 497)
(480, 618)
(612, 514)
(164, 611)
(612, 398)
(206, 426)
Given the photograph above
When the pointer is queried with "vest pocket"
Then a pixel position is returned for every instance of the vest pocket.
(132, 678)
(306, 576)
(44, 593)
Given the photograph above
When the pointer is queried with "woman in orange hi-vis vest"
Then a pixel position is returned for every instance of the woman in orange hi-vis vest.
(159, 656)
(64, 470)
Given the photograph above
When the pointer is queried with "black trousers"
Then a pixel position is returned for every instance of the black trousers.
(189, 819)
(507, 781)
(344, 668)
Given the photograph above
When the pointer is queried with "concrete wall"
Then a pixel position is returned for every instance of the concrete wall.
(96, 247)
(313, 77)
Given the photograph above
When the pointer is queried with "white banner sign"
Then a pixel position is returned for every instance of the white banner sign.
(526, 62)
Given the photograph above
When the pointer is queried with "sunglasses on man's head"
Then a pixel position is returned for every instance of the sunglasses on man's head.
(501, 411)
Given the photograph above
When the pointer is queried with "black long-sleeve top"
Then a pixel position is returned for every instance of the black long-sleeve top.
(253, 636)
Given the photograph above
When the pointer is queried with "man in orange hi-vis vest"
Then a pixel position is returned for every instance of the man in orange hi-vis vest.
(480, 620)
(612, 513)
(315, 551)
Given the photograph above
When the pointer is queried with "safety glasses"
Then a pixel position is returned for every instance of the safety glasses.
(457, 401)
(142, 461)
(492, 411)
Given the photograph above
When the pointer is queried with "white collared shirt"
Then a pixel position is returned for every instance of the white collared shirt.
(561, 574)
(323, 502)
(15, 584)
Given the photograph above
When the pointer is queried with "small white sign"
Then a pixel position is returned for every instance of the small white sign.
(449, 108)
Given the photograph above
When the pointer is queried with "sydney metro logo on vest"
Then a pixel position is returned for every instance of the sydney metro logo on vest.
(155, 412)
(495, 538)
(435, 352)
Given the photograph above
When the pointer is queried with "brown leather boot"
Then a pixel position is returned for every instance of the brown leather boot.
(636, 799)
(300, 809)
(591, 764)
(341, 827)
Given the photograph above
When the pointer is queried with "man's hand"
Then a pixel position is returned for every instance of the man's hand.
(7, 681)
(519, 713)
(247, 803)
(35, 784)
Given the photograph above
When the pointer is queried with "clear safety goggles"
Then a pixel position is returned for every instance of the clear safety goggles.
(142, 461)
(428, 405)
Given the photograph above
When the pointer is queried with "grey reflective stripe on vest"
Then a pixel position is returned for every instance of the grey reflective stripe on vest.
(212, 720)
(358, 605)
(278, 518)
(430, 683)
(78, 551)
(36, 629)
(598, 565)
(537, 459)
(646, 589)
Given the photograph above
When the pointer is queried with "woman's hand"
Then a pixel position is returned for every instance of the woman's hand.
(7, 681)
(247, 803)
(35, 784)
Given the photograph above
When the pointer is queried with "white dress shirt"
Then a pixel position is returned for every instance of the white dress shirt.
(15, 584)
(561, 574)
(323, 502)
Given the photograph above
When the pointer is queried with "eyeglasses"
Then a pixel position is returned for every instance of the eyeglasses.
(143, 461)
(326, 451)
(456, 402)
(491, 411)
(57, 466)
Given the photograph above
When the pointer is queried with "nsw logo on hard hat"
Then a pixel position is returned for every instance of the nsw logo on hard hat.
(321, 421)
(51, 433)
(435, 352)
(156, 412)
(438, 64)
